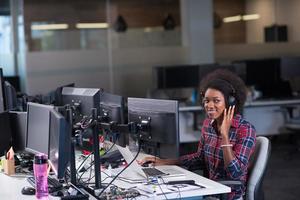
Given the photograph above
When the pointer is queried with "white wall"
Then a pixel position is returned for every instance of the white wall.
(132, 69)
(47, 70)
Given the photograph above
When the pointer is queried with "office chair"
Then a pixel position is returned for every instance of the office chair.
(291, 123)
(257, 167)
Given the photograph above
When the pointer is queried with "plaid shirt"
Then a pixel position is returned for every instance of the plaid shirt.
(242, 136)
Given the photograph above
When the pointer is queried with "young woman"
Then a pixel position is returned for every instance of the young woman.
(227, 140)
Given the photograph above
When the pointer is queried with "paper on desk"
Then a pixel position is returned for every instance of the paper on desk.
(165, 189)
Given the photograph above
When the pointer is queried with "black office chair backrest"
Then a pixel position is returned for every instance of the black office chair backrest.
(257, 168)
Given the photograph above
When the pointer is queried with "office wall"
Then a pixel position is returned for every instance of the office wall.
(230, 52)
(223, 31)
(271, 12)
(132, 69)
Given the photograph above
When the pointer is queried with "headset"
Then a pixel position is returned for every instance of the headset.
(231, 99)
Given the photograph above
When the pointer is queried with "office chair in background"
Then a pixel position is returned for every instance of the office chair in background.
(292, 124)
(257, 168)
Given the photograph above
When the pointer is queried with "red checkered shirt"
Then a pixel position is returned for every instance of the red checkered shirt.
(242, 136)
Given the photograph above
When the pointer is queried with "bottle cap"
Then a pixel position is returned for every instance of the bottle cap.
(40, 159)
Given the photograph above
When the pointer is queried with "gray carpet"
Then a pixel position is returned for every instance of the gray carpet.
(282, 179)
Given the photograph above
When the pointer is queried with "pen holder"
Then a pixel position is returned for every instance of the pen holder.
(8, 166)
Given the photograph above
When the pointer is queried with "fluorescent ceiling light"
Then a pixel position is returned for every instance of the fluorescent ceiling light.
(91, 25)
(147, 29)
(49, 26)
(251, 17)
(232, 19)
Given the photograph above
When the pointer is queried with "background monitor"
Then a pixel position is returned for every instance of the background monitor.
(164, 126)
(266, 76)
(5, 133)
(2, 103)
(14, 81)
(11, 101)
(58, 99)
(176, 76)
(112, 108)
(59, 143)
(18, 128)
(38, 123)
(81, 100)
(169, 77)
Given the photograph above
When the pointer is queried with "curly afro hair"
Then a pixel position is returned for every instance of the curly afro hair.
(229, 84)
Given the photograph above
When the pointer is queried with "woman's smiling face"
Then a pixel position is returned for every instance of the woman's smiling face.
(214, 103)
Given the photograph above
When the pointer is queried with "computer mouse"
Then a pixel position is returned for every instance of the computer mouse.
(28, 190)
(57, 194)
(147, 163)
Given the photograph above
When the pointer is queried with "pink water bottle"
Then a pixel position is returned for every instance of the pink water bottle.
(40, 167)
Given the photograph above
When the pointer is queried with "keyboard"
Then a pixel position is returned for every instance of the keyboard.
(153, 172)
(53, 184)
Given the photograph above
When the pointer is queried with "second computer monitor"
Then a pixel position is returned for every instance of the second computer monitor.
(38, 127)
(59, 143)
(81, 100)
(2, 100)
(163, 130)
(49, 133)
(112, 109)
(5, 133)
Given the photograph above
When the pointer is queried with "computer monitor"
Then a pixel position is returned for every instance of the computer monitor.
(162, 135)
(18, 128)
(59, 143)
(5, 133)
(37, 132)
(176, 76)
(2, 103)
(10, 97)
(112, 108)
(81, 100)
(14, 81)
(58, 99)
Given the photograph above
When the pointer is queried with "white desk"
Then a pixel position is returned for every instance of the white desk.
(211, 187)
(11, 187)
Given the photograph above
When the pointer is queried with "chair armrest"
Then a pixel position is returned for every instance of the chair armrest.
(230, 182)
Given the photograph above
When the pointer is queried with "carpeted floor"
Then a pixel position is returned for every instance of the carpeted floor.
(282, 179)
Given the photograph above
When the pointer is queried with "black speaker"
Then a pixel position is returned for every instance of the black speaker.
(276, 33)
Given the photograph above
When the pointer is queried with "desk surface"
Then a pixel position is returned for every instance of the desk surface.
(11, 187)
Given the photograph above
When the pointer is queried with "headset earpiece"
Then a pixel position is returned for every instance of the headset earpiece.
(231, 100)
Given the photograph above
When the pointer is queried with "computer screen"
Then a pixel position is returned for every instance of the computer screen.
(10, 96)
(18, 128)
(57, 99)
(38, 123)
(14, 81)
(163, 130)
(112, 108)
(59, 143)
(176, 76)
(265, 75)
(185, 76)
(81, 100)
(2, 104)
(5, 133)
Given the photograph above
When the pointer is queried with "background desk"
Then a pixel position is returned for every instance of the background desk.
(265, 115)
(11, 187)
